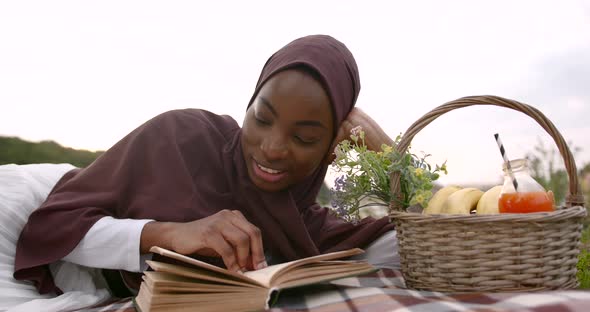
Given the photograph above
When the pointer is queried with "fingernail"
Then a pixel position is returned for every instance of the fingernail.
(240, 272)
(261, 265)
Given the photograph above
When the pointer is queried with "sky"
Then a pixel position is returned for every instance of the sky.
(85, 73)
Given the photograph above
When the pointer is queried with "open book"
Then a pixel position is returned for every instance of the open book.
(205, 287)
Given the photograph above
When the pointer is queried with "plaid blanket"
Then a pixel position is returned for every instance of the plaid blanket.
(384, 290)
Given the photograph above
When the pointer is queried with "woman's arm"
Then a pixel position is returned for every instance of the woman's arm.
(111, 244)
(119, 243)
(330, 233)
(374, 134)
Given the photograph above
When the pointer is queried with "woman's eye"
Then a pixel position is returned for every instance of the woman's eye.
(305, 141)
(261, 121)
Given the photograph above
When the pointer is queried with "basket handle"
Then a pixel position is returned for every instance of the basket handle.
(574, 198)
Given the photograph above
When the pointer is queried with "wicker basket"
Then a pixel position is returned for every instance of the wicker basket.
(492, 253)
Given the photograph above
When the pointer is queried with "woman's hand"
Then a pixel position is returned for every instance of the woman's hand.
(374, 135)
(226, 234)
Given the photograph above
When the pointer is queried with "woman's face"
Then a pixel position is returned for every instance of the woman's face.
(287, 130)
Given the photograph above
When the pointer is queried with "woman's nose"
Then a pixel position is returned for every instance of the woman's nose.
(274, 147)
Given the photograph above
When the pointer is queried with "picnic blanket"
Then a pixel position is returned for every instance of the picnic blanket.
(384, 290)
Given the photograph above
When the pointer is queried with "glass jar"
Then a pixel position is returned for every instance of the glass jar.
(530, 195)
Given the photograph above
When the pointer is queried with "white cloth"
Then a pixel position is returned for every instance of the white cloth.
(383, 252)
(111, 244)
(22, 189)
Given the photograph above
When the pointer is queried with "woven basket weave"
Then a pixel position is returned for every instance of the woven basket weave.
(492, 253)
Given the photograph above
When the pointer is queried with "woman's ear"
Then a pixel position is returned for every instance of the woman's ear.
(330, 156)
(342, 134)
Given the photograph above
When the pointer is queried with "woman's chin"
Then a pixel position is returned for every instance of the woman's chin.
(267, 186)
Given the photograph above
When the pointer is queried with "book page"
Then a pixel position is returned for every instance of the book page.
(326, 277)
(267, 275)
(313, 270)
(167, 282)
(201, 264)
(261, 277)
(200, 274)
(253, 300)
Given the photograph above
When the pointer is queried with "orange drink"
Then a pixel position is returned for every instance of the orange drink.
(523, 202)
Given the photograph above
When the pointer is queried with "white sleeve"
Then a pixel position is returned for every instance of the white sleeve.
(111, 244)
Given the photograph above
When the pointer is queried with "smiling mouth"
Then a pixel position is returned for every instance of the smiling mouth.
(268, 170)
(268, 174)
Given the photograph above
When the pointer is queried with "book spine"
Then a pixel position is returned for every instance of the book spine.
(271, 299)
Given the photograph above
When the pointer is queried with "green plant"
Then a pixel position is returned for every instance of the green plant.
(583, 265)
(365, 179)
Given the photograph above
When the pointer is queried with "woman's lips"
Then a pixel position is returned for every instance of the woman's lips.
(268, 174)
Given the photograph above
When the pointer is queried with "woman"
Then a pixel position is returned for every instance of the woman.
(197, 183)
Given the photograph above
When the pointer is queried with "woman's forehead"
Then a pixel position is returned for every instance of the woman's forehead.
(297, 95)
(294, 83)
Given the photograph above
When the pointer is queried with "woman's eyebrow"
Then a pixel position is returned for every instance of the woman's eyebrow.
(313, 123)
(266, 102)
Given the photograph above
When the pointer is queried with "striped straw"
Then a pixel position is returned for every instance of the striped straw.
(503, 152)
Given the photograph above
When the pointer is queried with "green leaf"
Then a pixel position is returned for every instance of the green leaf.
(368, 176)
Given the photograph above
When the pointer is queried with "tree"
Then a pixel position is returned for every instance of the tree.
(547, 168)
(16, 151)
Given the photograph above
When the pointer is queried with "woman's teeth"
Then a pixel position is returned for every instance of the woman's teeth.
(268, 170)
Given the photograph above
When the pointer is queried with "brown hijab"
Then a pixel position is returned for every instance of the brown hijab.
(187, 164)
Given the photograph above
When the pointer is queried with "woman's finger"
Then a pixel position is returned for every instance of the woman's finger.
(225, 250)
(240, 241)
(256, 249)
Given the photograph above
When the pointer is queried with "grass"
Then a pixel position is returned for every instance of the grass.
(584, 260)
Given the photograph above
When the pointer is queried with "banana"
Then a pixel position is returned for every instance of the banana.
(488, 203)
(437, 201)
(462, 201)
